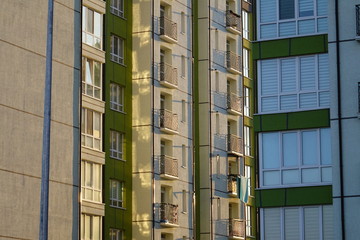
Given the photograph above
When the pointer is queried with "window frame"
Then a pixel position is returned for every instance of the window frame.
(247, 101)
(246, 61)
(248, 221)
(300, 165)
(116, 148)
(116, 234)
(85, 84)
(119, 56)
(247, 141)
(117, 100)
(84, 129)
(296, 19)
(115, 201)
(83, 228)
(117, 8)
(88, 34)
(91, 188)
(245, 23)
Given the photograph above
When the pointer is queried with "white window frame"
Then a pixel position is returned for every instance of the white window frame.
(183, 156)
(118, 56)
(301, 221)
(184, 201)
(245, 20)
(248, 221)
(116, 97)
(183, 66)
(117, 194)
(247, 141)
(296, 19)
(89, 219)
(89, 138)
(298, 90)
(183, 23)
(247, 101)
(88, 35)
(116, 234)
(116, 145)
(300, 165)
(88, 181)
(89, 87)
(117, 8)
(248, 175)
(246, 68)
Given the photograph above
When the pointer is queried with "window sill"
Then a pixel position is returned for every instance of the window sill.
(121, 208)
(184, 212)
(118, 159)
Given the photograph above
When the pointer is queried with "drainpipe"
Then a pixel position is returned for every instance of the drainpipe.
(193, 125)
(44, 198)
(153, 114)
(338, 69)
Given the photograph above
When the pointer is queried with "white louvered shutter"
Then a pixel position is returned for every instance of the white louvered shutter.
(311, 223)
(269, 85)
(307, 73)
(328, 222)
(292, 223)
(272, 224)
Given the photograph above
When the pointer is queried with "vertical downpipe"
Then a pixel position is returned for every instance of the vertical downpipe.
(153, 114)
(44, 199)
(338, 73)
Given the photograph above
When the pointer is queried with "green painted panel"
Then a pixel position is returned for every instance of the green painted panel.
(273, 197)
(256, 51)
(308, 45)
(309, 119)
(257, 123)
(273, 122)
(278, 48)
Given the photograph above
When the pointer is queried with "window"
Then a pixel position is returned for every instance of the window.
(217, 119)
(247, 101)
(183, 154)
(183, 111)
(218, 170)
(295, 158)
(184, 201)
(116, 194)
(92, 27)
(247, 141)
(183, 63)
(117, 7)
(217, 83)
(217, 39)
(117, 49)
(91, 227)
(183, 22)
(246, 62)
(116, 145)
(92, 78)
(299, 83)
(246, 31)
(116, 234)
(91, 125)
(310, 222)
(218, 207)
(248, 175)
(357, 20)
(116, 97)
(91, 181)
(283, 18)
(248, 221)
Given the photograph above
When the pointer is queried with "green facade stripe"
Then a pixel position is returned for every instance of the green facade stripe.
(285, 197)
(291, 121)
(290, 47)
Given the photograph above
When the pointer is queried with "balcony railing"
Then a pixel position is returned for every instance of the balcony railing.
(168, 75)
(168, 167)
(236, 228)
(168, 121)
(233, 22)
(234, 104)
(232, 185)
(235, 145)
(168, 215)
(168, 30)
(233, 62)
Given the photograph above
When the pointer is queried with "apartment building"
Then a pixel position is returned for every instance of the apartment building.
(292, 123)
(344, 115)
(23, 59)
(162, 162)
(223, 123)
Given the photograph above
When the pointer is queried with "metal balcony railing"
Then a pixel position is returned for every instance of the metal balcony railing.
(236, 228)
(233, 62)
(235, 144)
(168, 120)
(168, 213)
(168, 74)
(233, 20)
(234, 103)
(168, 28)
(232, 184)
(168, 166)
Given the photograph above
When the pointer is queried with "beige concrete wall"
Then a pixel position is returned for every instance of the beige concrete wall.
(22, 69)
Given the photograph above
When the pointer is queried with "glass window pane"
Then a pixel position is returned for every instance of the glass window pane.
(88, 71)
(286, 9)
(326, 174)
(97, 123)
(270, 150)
(89, 122)
(97, 74)
(90, 21)
(96, 228)
(292, 223)
(88, 175)
(97, 24)
(271, 178)
(307, 26)
(290, 149)
(306, 8)
(290, 176)
(312, 223)
(310, 175)
(325, 148)
(287, 29)
(309, 148)
(87, 226)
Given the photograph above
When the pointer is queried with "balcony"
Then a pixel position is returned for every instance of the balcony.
(233, 185)
(233, 62)
(168, 215)
(234, 104)
(168, 75)
(233, 22)
(168, 167)
(236, 229)
(168, 30)
(235, 145)
(168, 122)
